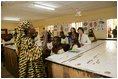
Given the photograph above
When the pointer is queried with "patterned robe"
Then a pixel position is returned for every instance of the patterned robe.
(30, 60)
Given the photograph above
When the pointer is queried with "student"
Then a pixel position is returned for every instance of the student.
(64, 39)
(29, 54)
(73, 34)
(50, 33)
(109, 32)
(9, 40)
(56, 47)
(91, 35)
(83, 38)
(42, 34)
(114, 32)
(49, 41)
(47, 45)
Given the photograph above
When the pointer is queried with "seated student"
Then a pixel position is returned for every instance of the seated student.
(74, 43)
(73, 34)
(64, 39)
(47, 45)
(9, 40)
(55, 46)
(91, 35)
(49, 41)
(83, 38)
(114, 32)
(69, 37)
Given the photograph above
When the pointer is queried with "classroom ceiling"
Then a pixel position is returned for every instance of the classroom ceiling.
(26, 11)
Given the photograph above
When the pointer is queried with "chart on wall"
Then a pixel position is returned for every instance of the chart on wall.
(61, 27)
(96, 25)
(65, 28)
(102, 24)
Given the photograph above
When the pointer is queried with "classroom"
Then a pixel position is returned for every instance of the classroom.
(58, 39)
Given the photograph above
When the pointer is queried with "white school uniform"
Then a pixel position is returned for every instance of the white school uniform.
(50, 46)
(64, 41)
(84, 39)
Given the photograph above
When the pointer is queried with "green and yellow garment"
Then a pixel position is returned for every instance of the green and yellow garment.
(30, 55)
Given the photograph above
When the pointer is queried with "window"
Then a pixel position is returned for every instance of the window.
(51, 28)
(79, 24)
(76, 25)
(111, 23)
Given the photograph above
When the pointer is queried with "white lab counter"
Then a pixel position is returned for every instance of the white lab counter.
(60, 58)
(98, 58)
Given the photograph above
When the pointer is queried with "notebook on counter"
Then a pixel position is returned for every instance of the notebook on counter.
(73, 51)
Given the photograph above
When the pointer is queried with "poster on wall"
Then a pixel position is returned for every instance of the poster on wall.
(101, 24)
(96, 25)
(85, 26)
(65, 29)
(93, 25)
(55, 27)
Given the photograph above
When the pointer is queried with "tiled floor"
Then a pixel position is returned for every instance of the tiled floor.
(5, 73)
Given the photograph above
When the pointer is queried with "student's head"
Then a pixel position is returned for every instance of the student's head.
(80, 30)
(49, 31)
(73, 30)
(30, 32)
(62, 34)
(43, 28)
(48, 36)
(8, 37)
(56, 41)
(109, 28)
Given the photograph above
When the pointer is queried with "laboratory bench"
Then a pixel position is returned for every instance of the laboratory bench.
(95, 60)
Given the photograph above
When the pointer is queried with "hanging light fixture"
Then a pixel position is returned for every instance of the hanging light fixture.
(78, 12)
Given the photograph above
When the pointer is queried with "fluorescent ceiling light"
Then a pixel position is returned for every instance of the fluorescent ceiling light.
(46, 4)
(44, 7)
(11, 18)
